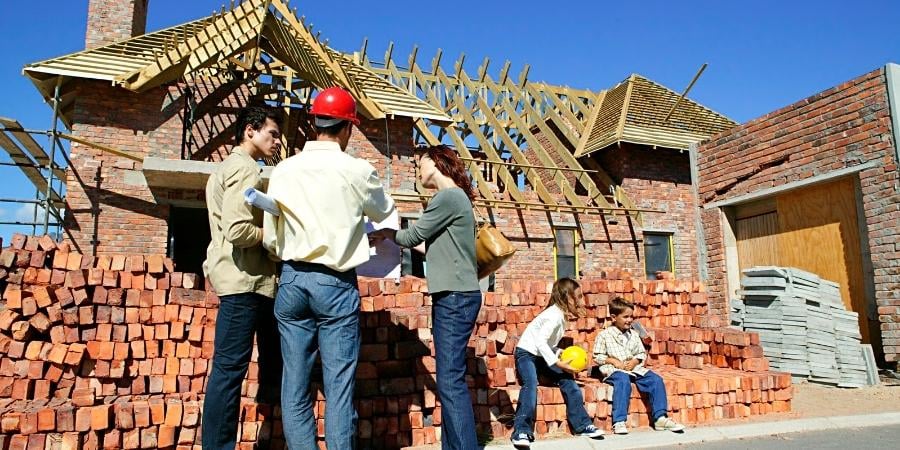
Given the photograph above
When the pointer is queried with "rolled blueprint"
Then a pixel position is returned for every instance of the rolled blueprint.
(257, 199)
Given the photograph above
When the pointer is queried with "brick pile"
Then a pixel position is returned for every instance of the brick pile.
(113, 352)
(105, 352)
(711, 373)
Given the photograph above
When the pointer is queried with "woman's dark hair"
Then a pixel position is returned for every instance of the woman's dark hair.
(448, 163)
(255, 116)
(563, 296)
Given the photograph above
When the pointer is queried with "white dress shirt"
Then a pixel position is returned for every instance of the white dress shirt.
(323, 194)
(542, 335)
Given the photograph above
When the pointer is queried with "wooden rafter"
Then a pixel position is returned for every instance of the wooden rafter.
(533, 145)
(319, 52)
(556, 145)
(227, 34)
(480, 182)
(503, 116)
(242, 39)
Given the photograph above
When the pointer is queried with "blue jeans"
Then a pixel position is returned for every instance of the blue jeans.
(318, 313)
(239, 317)
(453, 320)
(527, 367)
(650, 384)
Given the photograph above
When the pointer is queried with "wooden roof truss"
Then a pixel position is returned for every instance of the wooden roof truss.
(246, 38)
(502, 119)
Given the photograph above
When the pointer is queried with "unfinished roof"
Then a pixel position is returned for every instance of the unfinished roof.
(231, 39)
(635, 111)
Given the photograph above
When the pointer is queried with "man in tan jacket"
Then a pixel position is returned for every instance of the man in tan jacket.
(243, 276)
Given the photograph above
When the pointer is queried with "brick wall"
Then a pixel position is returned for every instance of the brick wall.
(120, 213)
(107, 199)
(660, 179)
(844, 126)
(113, 20)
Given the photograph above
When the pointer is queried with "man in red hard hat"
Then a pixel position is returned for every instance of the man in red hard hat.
(320, 235)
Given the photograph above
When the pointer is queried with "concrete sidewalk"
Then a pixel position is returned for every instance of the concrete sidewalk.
(651, 439)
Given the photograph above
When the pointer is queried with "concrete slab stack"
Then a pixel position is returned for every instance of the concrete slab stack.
(804, 328)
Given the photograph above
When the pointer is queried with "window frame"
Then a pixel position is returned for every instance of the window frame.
(576, 240)
(671, 250)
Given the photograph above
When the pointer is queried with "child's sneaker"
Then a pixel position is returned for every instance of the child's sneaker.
(591, 432)
(521, 441)
(664, 423)
(620, 428)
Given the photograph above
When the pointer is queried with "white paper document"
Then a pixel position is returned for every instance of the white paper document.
(257, 199)
(384, 258)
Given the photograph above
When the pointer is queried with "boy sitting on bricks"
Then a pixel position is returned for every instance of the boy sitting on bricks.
(620, 353)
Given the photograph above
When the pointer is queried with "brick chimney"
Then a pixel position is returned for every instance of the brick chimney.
(114, 20)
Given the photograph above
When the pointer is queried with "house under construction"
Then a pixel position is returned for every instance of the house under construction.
(608, 185)
(581, 180)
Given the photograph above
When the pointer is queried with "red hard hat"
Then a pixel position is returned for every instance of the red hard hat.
(335, 103)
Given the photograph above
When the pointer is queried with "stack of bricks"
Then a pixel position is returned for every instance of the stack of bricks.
(113, 352)
(710, 373)
(105, 352)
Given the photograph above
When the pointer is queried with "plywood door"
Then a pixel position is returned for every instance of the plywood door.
(818, 233)
(757, 240)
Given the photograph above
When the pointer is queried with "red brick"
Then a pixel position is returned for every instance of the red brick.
(100, 416)
(83, 419)
(46, 420)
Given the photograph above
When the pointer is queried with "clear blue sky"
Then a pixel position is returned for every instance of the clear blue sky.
(762, 54)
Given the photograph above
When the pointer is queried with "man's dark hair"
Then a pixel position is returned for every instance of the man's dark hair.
(619, 305)
(255, 117)
(333, 130)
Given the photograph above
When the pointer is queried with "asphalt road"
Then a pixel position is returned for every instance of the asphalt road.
(846, 439)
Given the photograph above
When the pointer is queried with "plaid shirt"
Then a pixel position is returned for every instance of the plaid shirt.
(622, 345)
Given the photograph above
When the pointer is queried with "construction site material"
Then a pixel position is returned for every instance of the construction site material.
(803, 326)
(113, 351)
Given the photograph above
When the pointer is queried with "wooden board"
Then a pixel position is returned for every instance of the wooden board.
(818, 232)
(757, 241)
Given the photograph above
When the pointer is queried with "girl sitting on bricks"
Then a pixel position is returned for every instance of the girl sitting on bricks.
(537, 352)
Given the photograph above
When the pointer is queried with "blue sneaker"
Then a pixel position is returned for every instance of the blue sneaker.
(591, 431)
(521, 441)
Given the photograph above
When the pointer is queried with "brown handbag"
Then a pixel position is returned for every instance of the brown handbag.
(492, 249)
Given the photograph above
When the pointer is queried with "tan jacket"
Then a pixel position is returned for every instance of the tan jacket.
(236, 262)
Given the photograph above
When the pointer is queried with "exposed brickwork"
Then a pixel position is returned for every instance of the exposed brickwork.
(106, 199)
(131, 218)
(659, 179)
(111, 21)
(844, 126)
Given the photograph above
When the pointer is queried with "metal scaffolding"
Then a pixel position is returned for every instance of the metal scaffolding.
(41, 169)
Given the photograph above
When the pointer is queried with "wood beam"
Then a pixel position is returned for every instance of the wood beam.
(228, 34)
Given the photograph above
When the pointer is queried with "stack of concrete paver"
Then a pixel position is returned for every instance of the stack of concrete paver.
(736, 313)
(803, 325)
